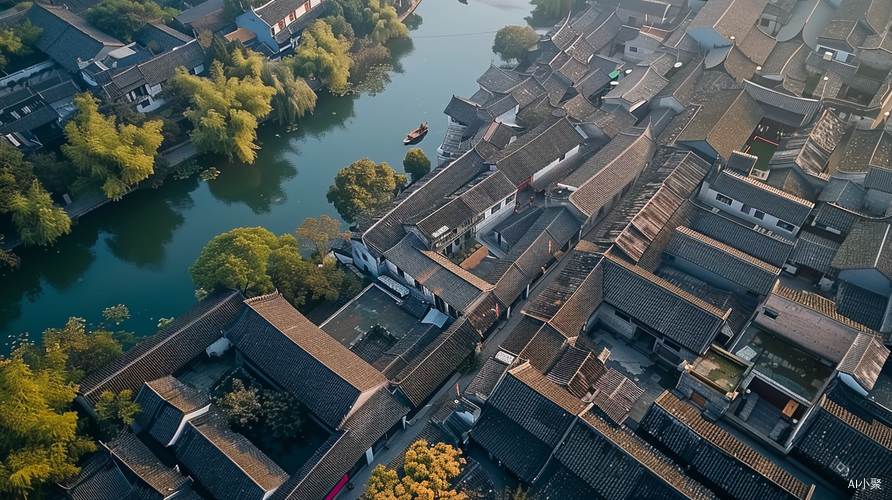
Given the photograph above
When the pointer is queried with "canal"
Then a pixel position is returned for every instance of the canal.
(137, 252)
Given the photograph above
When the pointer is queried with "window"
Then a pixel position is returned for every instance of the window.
(764, 22)
(623, 316)
(509, 200)
(759, 214)
(307, 6)
(291, 17)
(786, 226)
(746, 209)
(771, 314)
(723, 199)
(495, 209)
(633, 50)
(282, 24)
(272, 31)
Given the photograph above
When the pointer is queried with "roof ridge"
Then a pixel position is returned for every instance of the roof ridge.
(738, 254)
(684, 413)
(447, 264)
(800, 297)
(875, 431)
(770, 189)
(681, 293)
(164, 341)
(250, 476)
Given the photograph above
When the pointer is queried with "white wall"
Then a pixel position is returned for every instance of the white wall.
(363, 259)
(490, 219)
(769, 222)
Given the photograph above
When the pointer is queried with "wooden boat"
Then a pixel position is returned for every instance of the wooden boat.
(416, 135)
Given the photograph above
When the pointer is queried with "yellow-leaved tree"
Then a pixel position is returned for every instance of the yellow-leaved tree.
(428, 474)
(116, 156)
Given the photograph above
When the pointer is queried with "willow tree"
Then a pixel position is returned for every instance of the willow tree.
(37, 219)
(385, 22)
(322, 55)
(293, 98)
(117, 156)
(224, 110)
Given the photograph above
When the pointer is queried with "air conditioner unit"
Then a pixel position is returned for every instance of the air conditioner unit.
(828, 55)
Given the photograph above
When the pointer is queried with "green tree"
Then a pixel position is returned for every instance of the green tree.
(298, 280)
(85, 351)
(238, 259)
(282, 413)
(322, 55)
(240, 404)
(117, 156)
(123, 18)
(37, 219)
(416, 164)
(56, 175)
(321, 232)
(518, 493)
(428, 472)
(7, 257)
(363, 188)
(385, 22)
(39, 444)
(293, 98)
(224, 111)
(16, 176)
(17, 43)
(512, 42)
(115, 411)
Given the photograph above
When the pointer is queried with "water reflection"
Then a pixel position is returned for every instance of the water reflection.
(259, 186)
(141, 238)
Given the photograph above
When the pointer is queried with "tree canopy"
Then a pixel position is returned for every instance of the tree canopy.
(18, 43)
(322, 55)
(85, 351)
(554, 9)
(384, 22)
(416, 163)
(322, 232)
(16, 176)
(115, 412)
(123, 18)
(428, 472)
(224, 111)
(39, 444)
(512, 42)
(363, 188)
(116, 156)
(238, 259)
(37, 219)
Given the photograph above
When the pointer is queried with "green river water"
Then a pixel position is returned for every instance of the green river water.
(137, 252)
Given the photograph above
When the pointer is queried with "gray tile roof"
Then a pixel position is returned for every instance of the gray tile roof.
(725, 121)
(725, 461)
(846, 193)
(729, 17)
(99, 479)
(835, 436)
(163, 403)
(536, 149)
(723, 260)
(772, 249)
(867, 246)
(207, 15)
(618, 464)
(867, 148)
(166, 37)
(461, 110)
(343, 450)
(864, 360)
(814, 251)
(474, 200)
(516, 226)
(168, 350)
(641, 85)
(155, 71)
(784, 108)
(437, 361)
(682, 83)
(610, 170)
(498, 81)
(421, 198)
(308, 363)
(67, 37)
(741, 310)
(860, 305)
(836, 217)
(458, 287)
(483, 384)
(136, 457)
(879, 179)
(660, 305)
(763, 197)
(789, 180)
(225, 462)
(615, 395)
